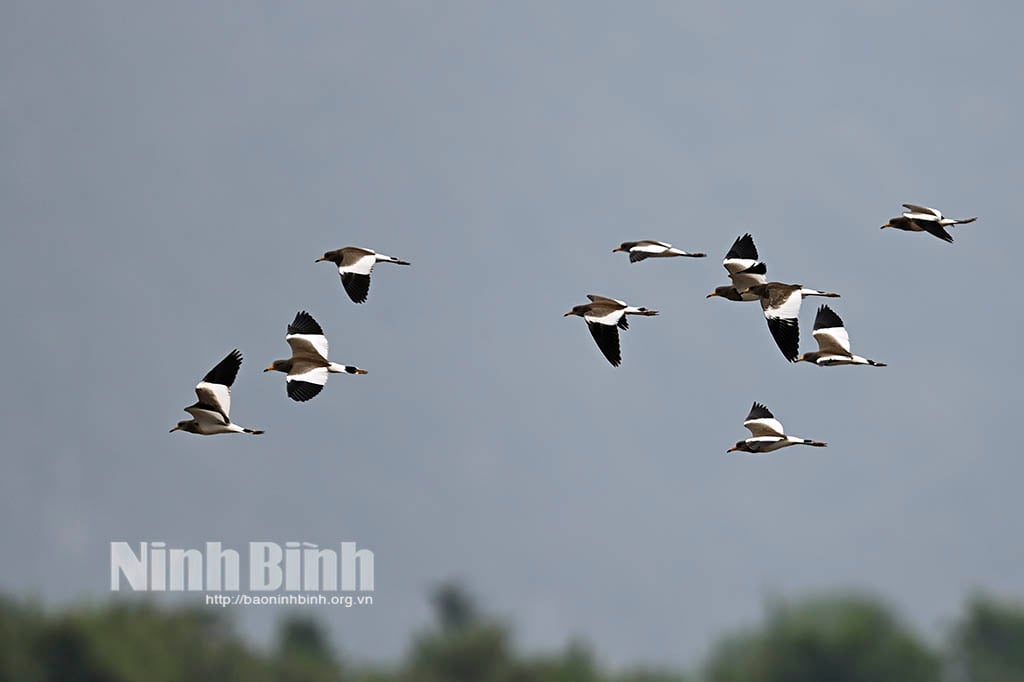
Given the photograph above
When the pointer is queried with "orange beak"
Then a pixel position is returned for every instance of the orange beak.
(174, 429)
(269, 368)
(713, 293)
(732, 449)
(319, 259)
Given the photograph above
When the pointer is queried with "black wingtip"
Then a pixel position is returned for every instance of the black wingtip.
(304, 324)
(743, 248)
(760, 411)
(826, 318)
(226, 370)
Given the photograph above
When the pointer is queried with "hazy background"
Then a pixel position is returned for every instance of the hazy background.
(171, 172)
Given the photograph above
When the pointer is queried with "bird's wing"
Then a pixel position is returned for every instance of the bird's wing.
(214, 391)
(782, 311)
(607, 338)
(306, 383)
(205, 415)
(752, 276)
(742, 255)
(594, 298)
(646, 248)
(357, 260)
(305, 336)
(933, 228)
(924, 210)
(354, 269)
(357, 286)
(830, 333)
(761, 422)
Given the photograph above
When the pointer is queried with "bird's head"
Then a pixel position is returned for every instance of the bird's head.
(740, 446)
(279, 366)
(186, 425)
(333, 256)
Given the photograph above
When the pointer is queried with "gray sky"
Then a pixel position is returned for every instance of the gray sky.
(171, 172)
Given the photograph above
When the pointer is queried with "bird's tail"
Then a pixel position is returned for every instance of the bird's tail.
(963, 221)
(815, 292)
(335, 368)
(392, 259)
(254, 432)
(814, 443)
(876, 364)
(640, 311)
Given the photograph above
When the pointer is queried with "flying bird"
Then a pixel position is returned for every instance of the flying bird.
(924, 219)
(744, 269)
(354, 266)
(833, 343)
(647, 248)
(604, 318)
(781, 305)
(308, 367)
(211, 412)
(766, 433)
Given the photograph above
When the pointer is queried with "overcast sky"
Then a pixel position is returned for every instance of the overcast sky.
(171, 171)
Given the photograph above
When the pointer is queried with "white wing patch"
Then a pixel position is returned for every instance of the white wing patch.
(611, 318)
(204, 416)
(743, 280)
(317, 341)
(828, 337)
(217, 395)
(913, 210)
(653, 247)
(788, 310)
(734, 265)
(764, 427)
(317, 375)
(362, 266)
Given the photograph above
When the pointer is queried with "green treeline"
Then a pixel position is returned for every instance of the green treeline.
(833, 638)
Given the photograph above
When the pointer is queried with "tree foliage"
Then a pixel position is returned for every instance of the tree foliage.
(835, 638)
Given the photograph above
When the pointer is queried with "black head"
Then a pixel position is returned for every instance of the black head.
(580, 310)
(741, 446)
(625, 246)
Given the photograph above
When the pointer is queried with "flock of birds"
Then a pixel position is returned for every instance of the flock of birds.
(308, 367)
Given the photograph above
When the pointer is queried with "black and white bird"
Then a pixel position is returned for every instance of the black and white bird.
(924, 219)
(648, 248)
(354, 265)
(604, 318)
(781, 305)
(211, 414)
(833, 343)
(766, 433)
(308, 367)
(744, 269)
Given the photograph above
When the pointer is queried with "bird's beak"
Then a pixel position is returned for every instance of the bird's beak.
(885, 226)
(319, 259)
(567, 314)
(732, 449)
(713, 293)
(269, 368)
(174, 429)
(617, 248)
